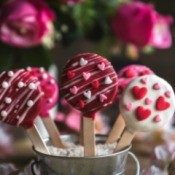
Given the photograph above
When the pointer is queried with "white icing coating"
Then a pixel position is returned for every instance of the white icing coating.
(5, 84)
(157, 118)
(30, 103)
(8, 100)
(32, 86)
(20, 84)
(10, 73)
(4, 113)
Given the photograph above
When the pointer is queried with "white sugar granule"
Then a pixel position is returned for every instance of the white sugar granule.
(73, 150)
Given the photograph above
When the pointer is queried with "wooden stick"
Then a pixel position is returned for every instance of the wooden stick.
(37, 141)
(125, 140)
(53, 132)
(117, 130)
(81, 132)
(41, 128)
(89, 137)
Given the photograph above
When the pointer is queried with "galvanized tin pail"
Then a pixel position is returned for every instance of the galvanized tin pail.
(113, 164)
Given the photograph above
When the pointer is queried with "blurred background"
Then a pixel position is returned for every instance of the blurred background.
(46, 33)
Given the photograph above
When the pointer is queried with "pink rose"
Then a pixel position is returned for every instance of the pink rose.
(140, 24)
(24, 23)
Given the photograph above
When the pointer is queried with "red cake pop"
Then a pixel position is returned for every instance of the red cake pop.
(20, 102)
(20, 98)
(89, 83)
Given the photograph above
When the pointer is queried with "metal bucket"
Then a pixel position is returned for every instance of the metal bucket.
(112, 164)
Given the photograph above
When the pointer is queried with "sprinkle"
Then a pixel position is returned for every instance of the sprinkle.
(41, 69)
(10, 73)
(44, 76)
(30, 103)
(8, 100)
(5, 84)
(29, 68)
(3, 113)
(50, 100)
(20, 84)
(18, 117)
(32, 86)
(52, 81)
(108, 80)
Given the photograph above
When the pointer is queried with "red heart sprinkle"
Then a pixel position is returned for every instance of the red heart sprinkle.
(142, 113)
(81, 104)
(70, 74)
(139, 92)
(161, 104)
(95, 84)
(129, 73)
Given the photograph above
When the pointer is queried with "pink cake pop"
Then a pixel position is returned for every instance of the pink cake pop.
(126, 75)
(89, 84)
(50, 88)
(20, 102)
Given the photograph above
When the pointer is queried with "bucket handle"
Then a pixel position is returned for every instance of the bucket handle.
(33, 165)
(133, 156)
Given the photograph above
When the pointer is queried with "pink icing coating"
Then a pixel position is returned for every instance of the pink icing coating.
(20, 98)
(50, 88)
(128, 73)
(89, 83)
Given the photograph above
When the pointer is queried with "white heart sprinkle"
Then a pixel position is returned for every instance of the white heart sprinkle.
(83, 62)
(108, 80)
(8, 100)
(87, 94)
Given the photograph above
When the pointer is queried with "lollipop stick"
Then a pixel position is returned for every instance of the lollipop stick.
(117, 130)
(36, 139)
(81, 132)
(89, 137)
(53, 132)
(125, 140)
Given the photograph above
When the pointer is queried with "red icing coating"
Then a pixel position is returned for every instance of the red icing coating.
(50, 88)
(139, 92)
(20, 98)
(161, 104)
(142, 113)
(89, 90)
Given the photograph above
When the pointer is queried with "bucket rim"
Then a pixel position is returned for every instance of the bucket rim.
(78, 158)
